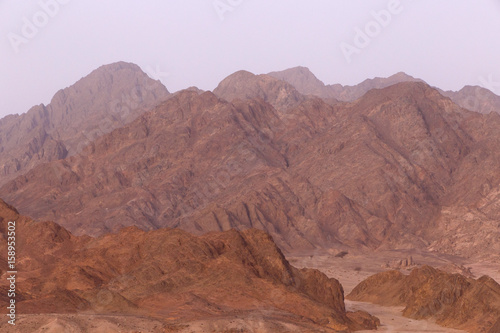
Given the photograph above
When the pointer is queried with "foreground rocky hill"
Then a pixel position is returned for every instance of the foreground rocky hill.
(451, 299)
(108, 98)
(172, 277)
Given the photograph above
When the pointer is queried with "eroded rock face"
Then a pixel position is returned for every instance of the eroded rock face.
(451, 299)
(168, 274)
(108, 98)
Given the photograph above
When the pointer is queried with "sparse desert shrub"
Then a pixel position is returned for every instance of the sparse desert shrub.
(341, 254)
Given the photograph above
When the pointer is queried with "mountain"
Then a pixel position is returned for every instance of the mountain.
(351, 93)
(245, 85)
(451, 299)
(308, 84)
(476, 99)
(108, 98)
(171, 276)
(304, 81)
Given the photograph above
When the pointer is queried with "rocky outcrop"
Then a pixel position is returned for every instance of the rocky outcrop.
(170, 275)
(405, 264)
(451, 299)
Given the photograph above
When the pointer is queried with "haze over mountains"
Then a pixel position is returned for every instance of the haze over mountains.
(391, 163)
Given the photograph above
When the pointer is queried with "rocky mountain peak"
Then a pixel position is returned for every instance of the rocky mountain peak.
(245, 85)
(107, 98)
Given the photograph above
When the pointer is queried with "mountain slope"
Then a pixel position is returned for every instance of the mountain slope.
(107, 98)
(473, 98)
(305, 82)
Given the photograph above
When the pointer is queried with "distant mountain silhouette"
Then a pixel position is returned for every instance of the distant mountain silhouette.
(472, 98)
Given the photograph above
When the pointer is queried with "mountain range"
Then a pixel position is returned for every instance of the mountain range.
(183, 206)
(400, 167)
(474, 98)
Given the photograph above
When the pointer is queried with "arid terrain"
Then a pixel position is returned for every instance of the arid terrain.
(254, 207)
(353, 268)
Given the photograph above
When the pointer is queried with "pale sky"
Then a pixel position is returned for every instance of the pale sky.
(47, 45)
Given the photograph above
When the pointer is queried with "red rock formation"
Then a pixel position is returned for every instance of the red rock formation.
(170, 275)
(451, 299)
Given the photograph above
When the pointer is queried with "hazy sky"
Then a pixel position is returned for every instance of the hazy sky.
(47, 45)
